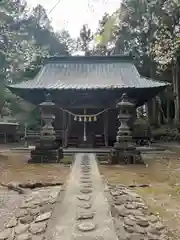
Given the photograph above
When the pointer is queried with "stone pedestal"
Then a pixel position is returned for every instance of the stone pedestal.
(46, 149)
(44, 155)
(124, 150)
(126, 155)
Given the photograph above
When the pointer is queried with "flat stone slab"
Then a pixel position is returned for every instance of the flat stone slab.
(84, 208)
(86, 185)
(86, 227)
(86, 181)
(84, 197)
(85, 205)
(86, 190)
(85, 178)
(85, 215)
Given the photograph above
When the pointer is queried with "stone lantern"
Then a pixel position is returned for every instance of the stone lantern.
(124, 134)
(46, 148)
(47, 133)
(124, 150)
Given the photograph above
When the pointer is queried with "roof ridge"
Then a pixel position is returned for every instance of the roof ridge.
(99, 58)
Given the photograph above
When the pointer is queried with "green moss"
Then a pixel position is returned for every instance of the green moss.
(67, 160)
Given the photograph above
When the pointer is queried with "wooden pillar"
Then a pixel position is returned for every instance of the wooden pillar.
(64, 127)
(150, 106)
(168, 111)
(106, 128)
(68, 127)
(66, 130)
(85, 128)
(25, 135)
(65, 138)
(5, 137)
(153, 112)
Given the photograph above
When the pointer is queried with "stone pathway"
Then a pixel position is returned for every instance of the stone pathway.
(132, 218)
(29, 222)
(83, 212)
(9, 203)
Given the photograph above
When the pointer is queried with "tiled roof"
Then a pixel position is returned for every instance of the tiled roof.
(96, 72)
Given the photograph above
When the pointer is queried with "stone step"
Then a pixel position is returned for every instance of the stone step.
(83, 212)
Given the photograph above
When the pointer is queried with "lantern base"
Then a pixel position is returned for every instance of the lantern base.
(46, 155)
(125, 154)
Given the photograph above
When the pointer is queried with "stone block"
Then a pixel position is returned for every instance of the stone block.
(46, 155)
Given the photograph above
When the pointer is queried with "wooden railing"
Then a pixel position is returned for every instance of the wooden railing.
(35, 135)
(72, 141)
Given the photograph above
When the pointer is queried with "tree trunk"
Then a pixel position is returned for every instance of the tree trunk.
(168, 111)
(175, 73)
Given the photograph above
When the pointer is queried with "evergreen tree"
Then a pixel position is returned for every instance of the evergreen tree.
(100, 46)
(25, 39)
(69, 43)
(85, 39)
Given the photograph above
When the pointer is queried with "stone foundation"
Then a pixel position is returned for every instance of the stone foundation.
(126, 156)
(43, 155)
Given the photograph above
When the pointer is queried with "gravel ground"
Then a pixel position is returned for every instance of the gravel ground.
(9, 202)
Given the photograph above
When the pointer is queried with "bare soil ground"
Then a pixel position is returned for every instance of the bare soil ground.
(14, 168)
(162, 173)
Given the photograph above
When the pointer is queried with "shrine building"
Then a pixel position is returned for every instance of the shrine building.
(85, 90)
